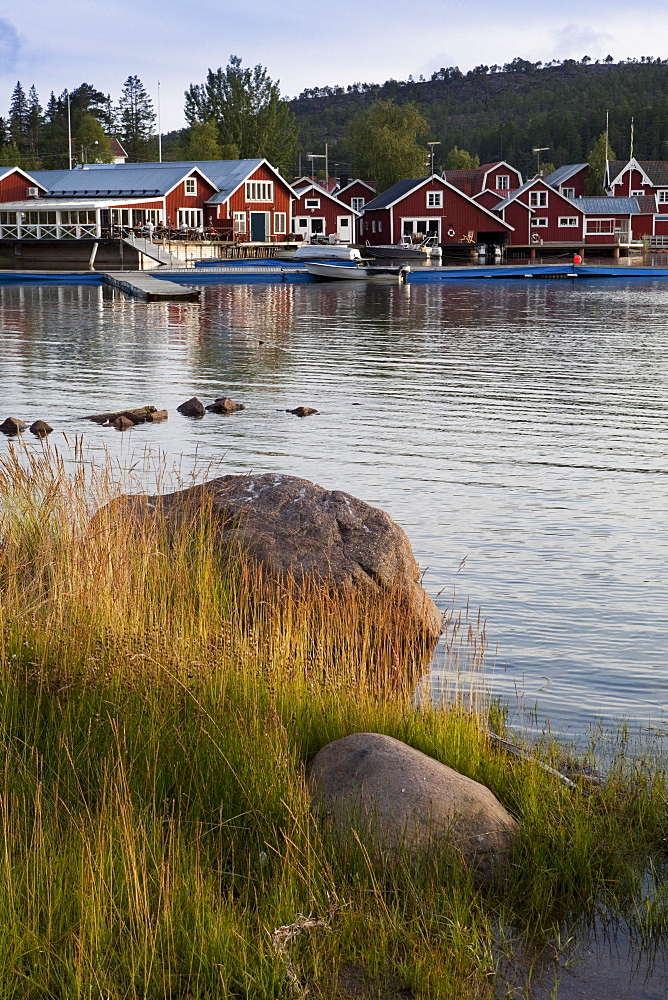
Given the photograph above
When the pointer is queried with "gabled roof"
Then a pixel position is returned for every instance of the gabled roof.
(526, 186)
(393, 194)
(357, 181)
(318, 189)
(563, 174)
(476, 176)
(655, 172)
(31, 178)
(399, 190)
(647, 204)
(606, 206)
(229, 175)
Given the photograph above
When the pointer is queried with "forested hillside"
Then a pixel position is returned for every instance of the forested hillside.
(502, 113)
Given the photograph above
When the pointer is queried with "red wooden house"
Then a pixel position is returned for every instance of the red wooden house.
(569, 180)
(637, 178)
(538, 213)
(318, 213)
(413, 208)
(497, 176)
(356, 194)
(16, 185)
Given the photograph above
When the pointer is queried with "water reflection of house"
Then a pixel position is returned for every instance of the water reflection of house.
(246, 197)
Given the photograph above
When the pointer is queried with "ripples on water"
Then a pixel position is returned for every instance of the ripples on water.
(520, 427)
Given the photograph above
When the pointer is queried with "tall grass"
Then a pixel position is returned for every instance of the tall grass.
(157, 708)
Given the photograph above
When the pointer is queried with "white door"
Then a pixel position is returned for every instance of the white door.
(309, 228)
(344, 228)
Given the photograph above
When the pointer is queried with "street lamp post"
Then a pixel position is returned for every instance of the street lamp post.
(312, 157)
(432, 144)
(538, 150)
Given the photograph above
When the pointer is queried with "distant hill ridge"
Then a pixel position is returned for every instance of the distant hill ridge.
(504, 115)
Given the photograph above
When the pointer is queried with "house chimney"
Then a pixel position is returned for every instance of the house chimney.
(344, 180)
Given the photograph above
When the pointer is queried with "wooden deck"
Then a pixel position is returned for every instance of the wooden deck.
(142, 285)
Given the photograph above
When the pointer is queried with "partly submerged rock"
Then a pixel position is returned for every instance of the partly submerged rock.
(297, 530)
(138, 414)
(157, 416)
(40, 428)
(123, 423)
(192, 407)
(396, 797)
(225, 405)
(12, 425)
(302, 411)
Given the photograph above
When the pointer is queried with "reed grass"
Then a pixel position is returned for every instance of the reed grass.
(157, 708)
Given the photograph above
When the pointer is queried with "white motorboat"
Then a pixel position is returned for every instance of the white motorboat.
(324, 251)
(352, 271)
(405, 250)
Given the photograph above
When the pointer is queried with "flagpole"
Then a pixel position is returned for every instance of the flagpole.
(606, 178)
(159, 128)
(631, 156)
(69, 130)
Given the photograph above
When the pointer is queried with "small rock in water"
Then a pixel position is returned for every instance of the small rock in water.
(154, 418)
(137, 414)
(12, 425)
(192, 407)
(41, 428)
(302, 411)
(225, 405)
(122, 423)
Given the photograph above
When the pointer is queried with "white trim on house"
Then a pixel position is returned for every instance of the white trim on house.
(631, 164)
(357, 181)
(19, 170)
(451, 187)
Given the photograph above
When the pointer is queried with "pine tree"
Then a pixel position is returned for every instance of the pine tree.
(34, 123)
(136, 120)
(18, 117)
(249, 113)
(4, 132)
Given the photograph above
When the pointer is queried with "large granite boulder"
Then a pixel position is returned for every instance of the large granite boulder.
(295, 529)
(397, 797)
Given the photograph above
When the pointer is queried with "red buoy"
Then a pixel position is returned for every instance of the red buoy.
(577, 259)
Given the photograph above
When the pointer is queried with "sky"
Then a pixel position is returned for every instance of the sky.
(59, 44)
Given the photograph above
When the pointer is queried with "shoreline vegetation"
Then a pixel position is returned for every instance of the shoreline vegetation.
(157, 713)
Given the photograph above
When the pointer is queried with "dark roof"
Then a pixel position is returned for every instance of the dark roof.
(647, 204)
(656, 170)
(113, 180)
(398, 190)
(562, 174)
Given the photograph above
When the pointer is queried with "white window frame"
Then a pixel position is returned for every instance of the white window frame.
(190, 187)
(503, 182)
(312, 203)
(357, 204)
(191, 218)
(380, 225)
(610, 223)
(259, 191)
(373, 225)
(569, 221)
(640, 194)
(662, 196)
(240, 223)
(539, 222)
(537, 199)
(280, 223)
(434, 199)
(567, 192)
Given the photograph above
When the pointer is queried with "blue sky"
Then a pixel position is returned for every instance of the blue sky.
(58, 44)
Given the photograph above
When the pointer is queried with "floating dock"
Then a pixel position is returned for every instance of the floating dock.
(151, 286)
(166, 284)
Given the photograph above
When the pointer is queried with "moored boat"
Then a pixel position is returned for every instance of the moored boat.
(351, 271)
(325, 251)
(404, 250)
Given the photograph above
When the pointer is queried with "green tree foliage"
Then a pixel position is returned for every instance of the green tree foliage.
(460, 159)
(600, 152)
(503, 114)
(136, 121)
(10, 155)
(91, 143)
(18, 117)
(203, 142)
(383, 143)
(249, 113)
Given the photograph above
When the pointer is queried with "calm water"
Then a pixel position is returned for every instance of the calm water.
(518, 431)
